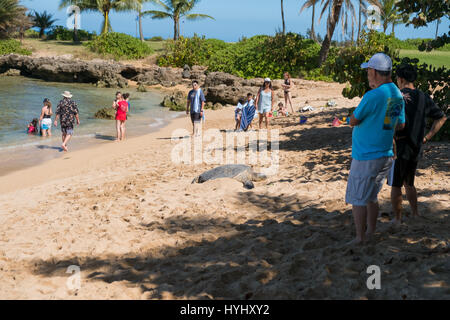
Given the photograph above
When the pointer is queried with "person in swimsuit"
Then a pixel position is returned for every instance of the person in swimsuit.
(32, 126)
(288, 83)
(121, 107)
(45, 120)
(265, 101)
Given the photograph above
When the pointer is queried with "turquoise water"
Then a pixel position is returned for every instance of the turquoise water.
(21, 101)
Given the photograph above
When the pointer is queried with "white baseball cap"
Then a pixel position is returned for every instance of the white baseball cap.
(379, 61)
(267, 80)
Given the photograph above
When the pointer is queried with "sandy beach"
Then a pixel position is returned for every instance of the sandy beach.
(138, 228)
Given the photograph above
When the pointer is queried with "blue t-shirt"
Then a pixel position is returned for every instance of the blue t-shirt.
(380, 111)
(196, 97)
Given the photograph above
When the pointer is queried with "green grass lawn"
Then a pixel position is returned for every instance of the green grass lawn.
(435, 58)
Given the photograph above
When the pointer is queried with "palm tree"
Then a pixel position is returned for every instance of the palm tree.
(12, 17)
(42, 21)
(282, 17)
(336, 7)
(103, 6)
(389, 14)
(175, 10)
(306, 5)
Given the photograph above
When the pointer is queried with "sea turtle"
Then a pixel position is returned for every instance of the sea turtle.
(239, 172)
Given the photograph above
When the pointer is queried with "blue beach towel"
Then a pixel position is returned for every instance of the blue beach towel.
(248, 113)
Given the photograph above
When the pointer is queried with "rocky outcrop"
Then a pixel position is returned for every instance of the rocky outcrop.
(225, 88)
(105, 73)
(107, 113)
(175, 101)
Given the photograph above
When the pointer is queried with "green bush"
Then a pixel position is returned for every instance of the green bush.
(31, 34)
(63, 34)
(119, 45)
(156, 38)
(189, 51)
(12, 46)
(259, 56)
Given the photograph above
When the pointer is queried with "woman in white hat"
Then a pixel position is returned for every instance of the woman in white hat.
(265, 101)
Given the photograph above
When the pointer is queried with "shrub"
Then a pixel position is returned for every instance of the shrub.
(12, 46)
(63, 34)
(189, 51)
(31, 34)
(259, 56)
(119, 45)
(156, 38)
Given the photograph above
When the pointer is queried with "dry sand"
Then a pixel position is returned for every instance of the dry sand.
(138, 228)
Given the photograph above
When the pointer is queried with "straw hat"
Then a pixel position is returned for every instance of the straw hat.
(67, 94)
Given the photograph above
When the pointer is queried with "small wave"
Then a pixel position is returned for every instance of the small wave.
(158, 122)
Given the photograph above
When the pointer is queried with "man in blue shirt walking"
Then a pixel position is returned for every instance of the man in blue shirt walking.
(380, 113)
(195, 104)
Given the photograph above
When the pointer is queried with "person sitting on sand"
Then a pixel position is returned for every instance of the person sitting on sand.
(67, 112)
(238, 113)
(282, 109)
(195, 104)
(265, 101)
(121, 117)
(32, 127)
(409, 141)
(287, 85)
(379, 114)
(45, 119)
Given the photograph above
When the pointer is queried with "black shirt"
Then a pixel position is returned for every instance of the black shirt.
(418, 107)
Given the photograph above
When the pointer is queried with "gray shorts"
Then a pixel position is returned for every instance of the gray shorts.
(366, 179)
(67, 131)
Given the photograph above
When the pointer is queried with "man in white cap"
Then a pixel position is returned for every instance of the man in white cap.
(67, 112)
(380, 113)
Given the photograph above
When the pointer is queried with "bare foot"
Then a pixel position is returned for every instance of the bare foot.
(63, 146)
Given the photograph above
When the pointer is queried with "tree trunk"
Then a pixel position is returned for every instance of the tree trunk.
(41, 33)
(393, 26)
(313, 33)
(141, 31)
(437, 28)
(353, 31)
(282, 17)
(385, 26)
(331, 25)
(175, 30)
(359, 22)
(106, 23)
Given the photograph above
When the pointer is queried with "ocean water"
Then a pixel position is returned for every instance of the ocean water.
(21, 101)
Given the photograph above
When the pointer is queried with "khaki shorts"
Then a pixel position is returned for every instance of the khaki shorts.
(366, 179)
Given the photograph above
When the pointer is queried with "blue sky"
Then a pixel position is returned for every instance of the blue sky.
(233, 19)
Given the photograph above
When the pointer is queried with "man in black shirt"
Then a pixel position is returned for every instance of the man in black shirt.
(409, 141)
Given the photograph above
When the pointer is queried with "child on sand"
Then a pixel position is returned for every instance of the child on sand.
(282, 109)
(121, 107)
(32, 126)
(238, 113)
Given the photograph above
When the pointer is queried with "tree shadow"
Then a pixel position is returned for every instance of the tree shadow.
(299, 253)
